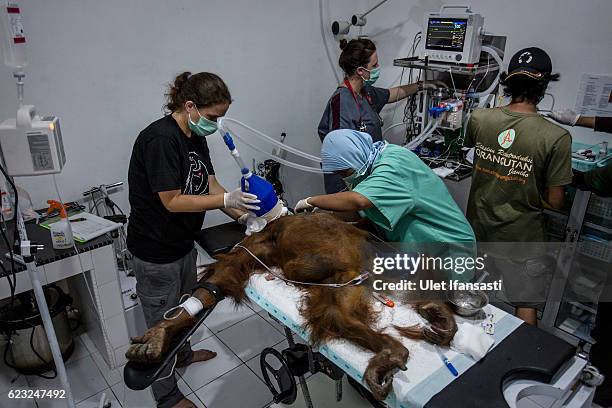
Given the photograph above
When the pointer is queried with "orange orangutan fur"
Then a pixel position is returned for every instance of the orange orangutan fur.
(315, 248)
(319, 248)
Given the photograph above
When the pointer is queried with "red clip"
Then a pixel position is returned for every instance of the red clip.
(385, 301)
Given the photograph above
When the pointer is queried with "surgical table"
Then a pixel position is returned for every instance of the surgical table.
(524, 361)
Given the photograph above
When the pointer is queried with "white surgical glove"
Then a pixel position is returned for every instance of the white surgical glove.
(240, 200)
(566, 116)
(303, 205)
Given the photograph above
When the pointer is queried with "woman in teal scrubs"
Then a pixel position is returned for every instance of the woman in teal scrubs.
(392, 187)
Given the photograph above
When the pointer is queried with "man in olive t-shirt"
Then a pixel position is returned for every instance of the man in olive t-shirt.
(517, 158)
(521, 161)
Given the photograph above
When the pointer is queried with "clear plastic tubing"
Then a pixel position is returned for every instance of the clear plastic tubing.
(224, 127)
(225, 121)
(491, 88)
(429, 129)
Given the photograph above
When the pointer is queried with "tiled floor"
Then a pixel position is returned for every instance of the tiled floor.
(232, 379)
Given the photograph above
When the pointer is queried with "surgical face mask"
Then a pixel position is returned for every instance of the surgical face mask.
(374, 75)
(352, 180)
(204, 127)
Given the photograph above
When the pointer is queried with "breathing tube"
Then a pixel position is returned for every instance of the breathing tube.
(491, 51)
(429, 129)
(227, 126)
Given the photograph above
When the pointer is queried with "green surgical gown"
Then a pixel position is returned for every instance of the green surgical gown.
(411, 203)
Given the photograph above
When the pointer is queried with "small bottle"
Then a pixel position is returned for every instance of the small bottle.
(603, 151)
(61, 234)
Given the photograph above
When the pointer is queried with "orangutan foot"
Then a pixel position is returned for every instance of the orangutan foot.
(381, 369)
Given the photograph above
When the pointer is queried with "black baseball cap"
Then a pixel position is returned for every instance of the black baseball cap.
(533, 62)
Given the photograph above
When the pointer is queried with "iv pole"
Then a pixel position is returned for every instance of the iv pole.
(43, 308)
(27, 249)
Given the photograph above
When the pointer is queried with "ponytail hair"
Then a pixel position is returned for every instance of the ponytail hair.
(355, 54)
(203, 89)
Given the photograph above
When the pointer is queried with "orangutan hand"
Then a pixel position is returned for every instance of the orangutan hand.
(443, 325)
(151, 346)
(380, 371)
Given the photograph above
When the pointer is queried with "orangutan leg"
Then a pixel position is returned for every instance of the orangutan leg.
(383, 366)
(390, 356)
(347, 313)
(154, 343)
(229, 274)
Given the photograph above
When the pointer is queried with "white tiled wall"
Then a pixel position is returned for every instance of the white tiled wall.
(110, 299)
(104, 264)
(90, 317)
(134, 318)
(67, 267)
(117, 331)
(107, 328)
(119, 354)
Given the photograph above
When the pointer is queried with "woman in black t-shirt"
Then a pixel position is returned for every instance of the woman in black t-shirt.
(172, 184)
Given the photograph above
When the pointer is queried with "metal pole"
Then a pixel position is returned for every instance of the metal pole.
(374, 8)
(43, 308)
(37, 288)
(19, 75)
(46, 316)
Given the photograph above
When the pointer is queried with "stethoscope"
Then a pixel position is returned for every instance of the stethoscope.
(362, 125)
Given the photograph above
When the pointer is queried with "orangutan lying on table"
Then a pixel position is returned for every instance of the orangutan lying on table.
(314, 248)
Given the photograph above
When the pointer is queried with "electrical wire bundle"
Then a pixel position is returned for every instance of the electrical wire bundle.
(413, 128)
(123, 255)
(46, 363)
(10, 276)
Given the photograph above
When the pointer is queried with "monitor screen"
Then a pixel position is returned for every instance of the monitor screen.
(446, 34)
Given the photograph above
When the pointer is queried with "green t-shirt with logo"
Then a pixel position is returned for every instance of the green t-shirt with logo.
(517, 157)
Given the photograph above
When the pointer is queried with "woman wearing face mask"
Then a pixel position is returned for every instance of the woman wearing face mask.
(356, 103)
(393, 187)
(171, 185)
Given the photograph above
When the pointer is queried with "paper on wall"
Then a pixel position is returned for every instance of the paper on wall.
(594, 95)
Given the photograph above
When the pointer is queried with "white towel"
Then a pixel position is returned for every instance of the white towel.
(471, 340)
